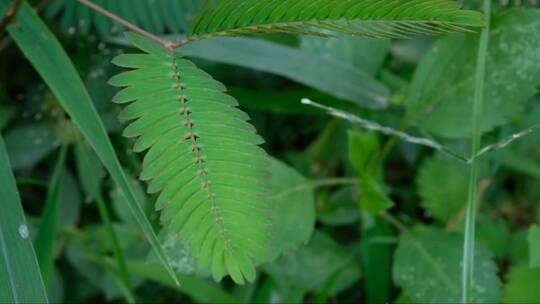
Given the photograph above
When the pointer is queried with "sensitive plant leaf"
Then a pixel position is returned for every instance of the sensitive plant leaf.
(534, 246)
(30, 143)
(330, 76)
(442, 202)
(371, 18)
(427, 265)
(522, 285)
(202, 158)
(293, 207)
(20, 278)
(46, 235)
(363, 151)
(443, 85)
(51, 61)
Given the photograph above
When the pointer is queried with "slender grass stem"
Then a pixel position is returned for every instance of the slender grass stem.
(125, 280)
(470, 217)
(124, 276)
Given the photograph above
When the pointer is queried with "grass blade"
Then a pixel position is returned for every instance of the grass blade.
(52, 63)
(46, 234)
(20, 279)
(124, 276)
(470, 218)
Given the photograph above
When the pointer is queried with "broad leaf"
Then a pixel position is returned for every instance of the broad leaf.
(534, 245)
(522, 286)
(30, 143)
(427, 265)
(442, 186)
(293, 207)
(312, 267)
(330, 76)
(363, 152)
(443, 86)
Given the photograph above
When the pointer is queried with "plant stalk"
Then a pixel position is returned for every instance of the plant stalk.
(169, 45)
(470, 217)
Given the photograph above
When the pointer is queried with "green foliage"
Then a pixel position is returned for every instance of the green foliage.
(534, 245)
(363, 151)
(202, 157)
(317, 220)
(20, 278)
(293, 210)
(443, 86)
(519, 278)
(372, 18)
(324, 257)
(51, 61)
(442, 202)
(427, 265)
(155, 16)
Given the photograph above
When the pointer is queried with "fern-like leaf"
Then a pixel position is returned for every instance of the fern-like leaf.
(203, 158)
(371, 18)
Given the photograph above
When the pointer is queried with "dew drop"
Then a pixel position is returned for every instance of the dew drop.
(23, 231)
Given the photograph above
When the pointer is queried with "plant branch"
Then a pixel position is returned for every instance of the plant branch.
(470, 217)
(165, 43)
(10, 14)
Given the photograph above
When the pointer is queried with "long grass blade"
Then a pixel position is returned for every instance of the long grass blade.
(51, 61)
(20, 278)
(46, 235)
(124, 276)
(470, 217)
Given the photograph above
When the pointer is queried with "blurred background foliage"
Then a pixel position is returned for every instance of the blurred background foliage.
(411, 254)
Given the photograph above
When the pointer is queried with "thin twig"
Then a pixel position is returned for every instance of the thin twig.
(371, 125)
(166, 44)
(10, 14)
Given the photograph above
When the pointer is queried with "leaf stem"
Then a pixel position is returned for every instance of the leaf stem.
(10, 14)
(165, 43)
(106, 218)
(470, 217)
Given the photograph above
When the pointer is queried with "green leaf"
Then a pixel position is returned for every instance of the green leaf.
(20, 279)
(293, 207)
(311, 267)
(443, 86)
(495, 234)
(200, 290)
(30, 143)
(365, 54)
(46, 236)
(363, 151)
(427, 265)
(372, 18)
(52, 63)
(330, 76)
(376, 259)
(203, 158)
(534, 245)
(442, 186)
(522, 286)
